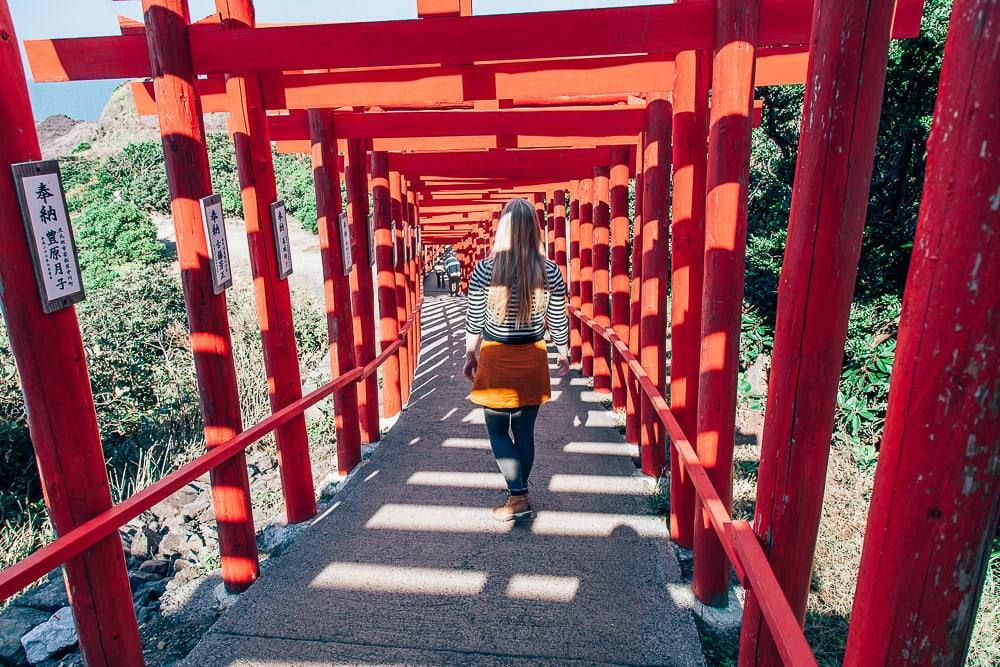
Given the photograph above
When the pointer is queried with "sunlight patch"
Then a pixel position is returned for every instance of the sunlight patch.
(604, 484)
(447, 478)
(593, 524)
(543, 587)
(436, 519)
(374, 578)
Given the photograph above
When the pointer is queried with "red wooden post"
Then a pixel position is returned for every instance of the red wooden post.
(362, 286)
(559, 218)
(183, 132)
(388, 324)
(936, 500)
(633, 402)
(336, 285)
(690, 134)
(587, 272)
(575, 336)
(829, 202)
(619, 269)
(538, 199)
(248, 126)
(396, 201)
(411, 279)
(48, 351)
(725, 245)
(652, 318)
(602, 278)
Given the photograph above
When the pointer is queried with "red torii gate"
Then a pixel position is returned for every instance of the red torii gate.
(848, 43)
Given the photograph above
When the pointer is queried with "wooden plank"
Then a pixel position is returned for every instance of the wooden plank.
(829, 203)
(186, 155)
(51, 364)
(725, 245)
(657, 29)
(936, 498)
(249, 130)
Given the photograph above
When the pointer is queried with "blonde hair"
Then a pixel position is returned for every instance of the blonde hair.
(518, 264)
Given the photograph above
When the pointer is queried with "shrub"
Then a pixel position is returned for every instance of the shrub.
(294, 177)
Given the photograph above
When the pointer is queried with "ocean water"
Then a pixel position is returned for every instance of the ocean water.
(82, 100)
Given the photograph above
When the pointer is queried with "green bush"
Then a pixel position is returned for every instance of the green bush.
(294, 177)
(111, 235)
(225, 173)
(136, 175)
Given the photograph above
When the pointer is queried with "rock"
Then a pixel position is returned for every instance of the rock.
(50, 596)
(158, 567)
(172, 505)
(180, 565)
(145, 543)
(150, 592)
(197, 508)
(14, 623)
(274, 539)
(174, 544)
(224, 599)
(51, 638)
(756, 375)
(137, 580)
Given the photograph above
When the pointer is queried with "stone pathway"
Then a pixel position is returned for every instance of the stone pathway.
(407, 567)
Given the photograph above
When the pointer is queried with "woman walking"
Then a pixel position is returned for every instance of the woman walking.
(514, 295)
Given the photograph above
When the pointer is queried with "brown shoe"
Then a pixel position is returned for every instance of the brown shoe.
(516, 507)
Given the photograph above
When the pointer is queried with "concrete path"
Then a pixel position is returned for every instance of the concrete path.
(407, 567)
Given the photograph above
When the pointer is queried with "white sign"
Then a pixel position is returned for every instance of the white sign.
(50, 236)
(345, 242)
(371, 238)
(395, 251)
(218, 244)
(282, 244)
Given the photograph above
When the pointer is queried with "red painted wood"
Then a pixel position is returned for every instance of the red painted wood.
(435, 8)
(500, 161)
(49, 355)
(633, 400)
(86, 535)
(575, 337)
(248, 128)
(396, 203)
(336, 287)
(413, 342)
(388, 322)
(362, 286)
(652, 316)
(829, 203)
(183, 133)
(936, 500)
(690, 146)
(559, 223)
(587, 273)
(538, 200)
(659, 29)
(725, 245)
(619, 268)
(601, 258)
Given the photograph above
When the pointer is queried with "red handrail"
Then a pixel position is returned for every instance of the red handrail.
(22, 573)
(737, 537)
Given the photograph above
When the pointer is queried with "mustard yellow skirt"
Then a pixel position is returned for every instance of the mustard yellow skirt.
(511, 376)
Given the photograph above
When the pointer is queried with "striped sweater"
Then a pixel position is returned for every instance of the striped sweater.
(479, 321)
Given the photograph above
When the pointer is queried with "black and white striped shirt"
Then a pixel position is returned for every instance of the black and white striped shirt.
(479, 321)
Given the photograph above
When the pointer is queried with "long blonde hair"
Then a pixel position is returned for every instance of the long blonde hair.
(518, 264)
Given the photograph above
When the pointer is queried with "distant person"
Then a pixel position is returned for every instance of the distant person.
(439, 270)
(453, 267)
(514, 295)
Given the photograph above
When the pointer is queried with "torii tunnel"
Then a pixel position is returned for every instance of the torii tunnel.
(441, 120)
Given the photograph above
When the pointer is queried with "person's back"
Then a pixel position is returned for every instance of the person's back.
(514, 295)
(453, 267)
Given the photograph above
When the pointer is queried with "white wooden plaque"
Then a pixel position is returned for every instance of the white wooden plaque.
(218, 244)
(49, 233)
(282, 244)
(395, 251)
(345, 242)
(371, 238)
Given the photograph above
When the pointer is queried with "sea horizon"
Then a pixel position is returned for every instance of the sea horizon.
(80, 100)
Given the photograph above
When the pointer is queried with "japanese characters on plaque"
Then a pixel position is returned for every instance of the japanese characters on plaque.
(371, 238)
(395, 252)
(282, 244)
(345, 242)
(218, 244)
(420, 246)
(50, 235)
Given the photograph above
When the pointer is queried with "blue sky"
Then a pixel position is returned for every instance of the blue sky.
(38, 19)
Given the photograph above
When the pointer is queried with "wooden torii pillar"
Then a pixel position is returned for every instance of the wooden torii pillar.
(601, 277)
(829, 203)
(936, 501)
(725, 246)
(618, 196)
(51, 363)
(183, 132)
(248, 125)
(388, 321)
